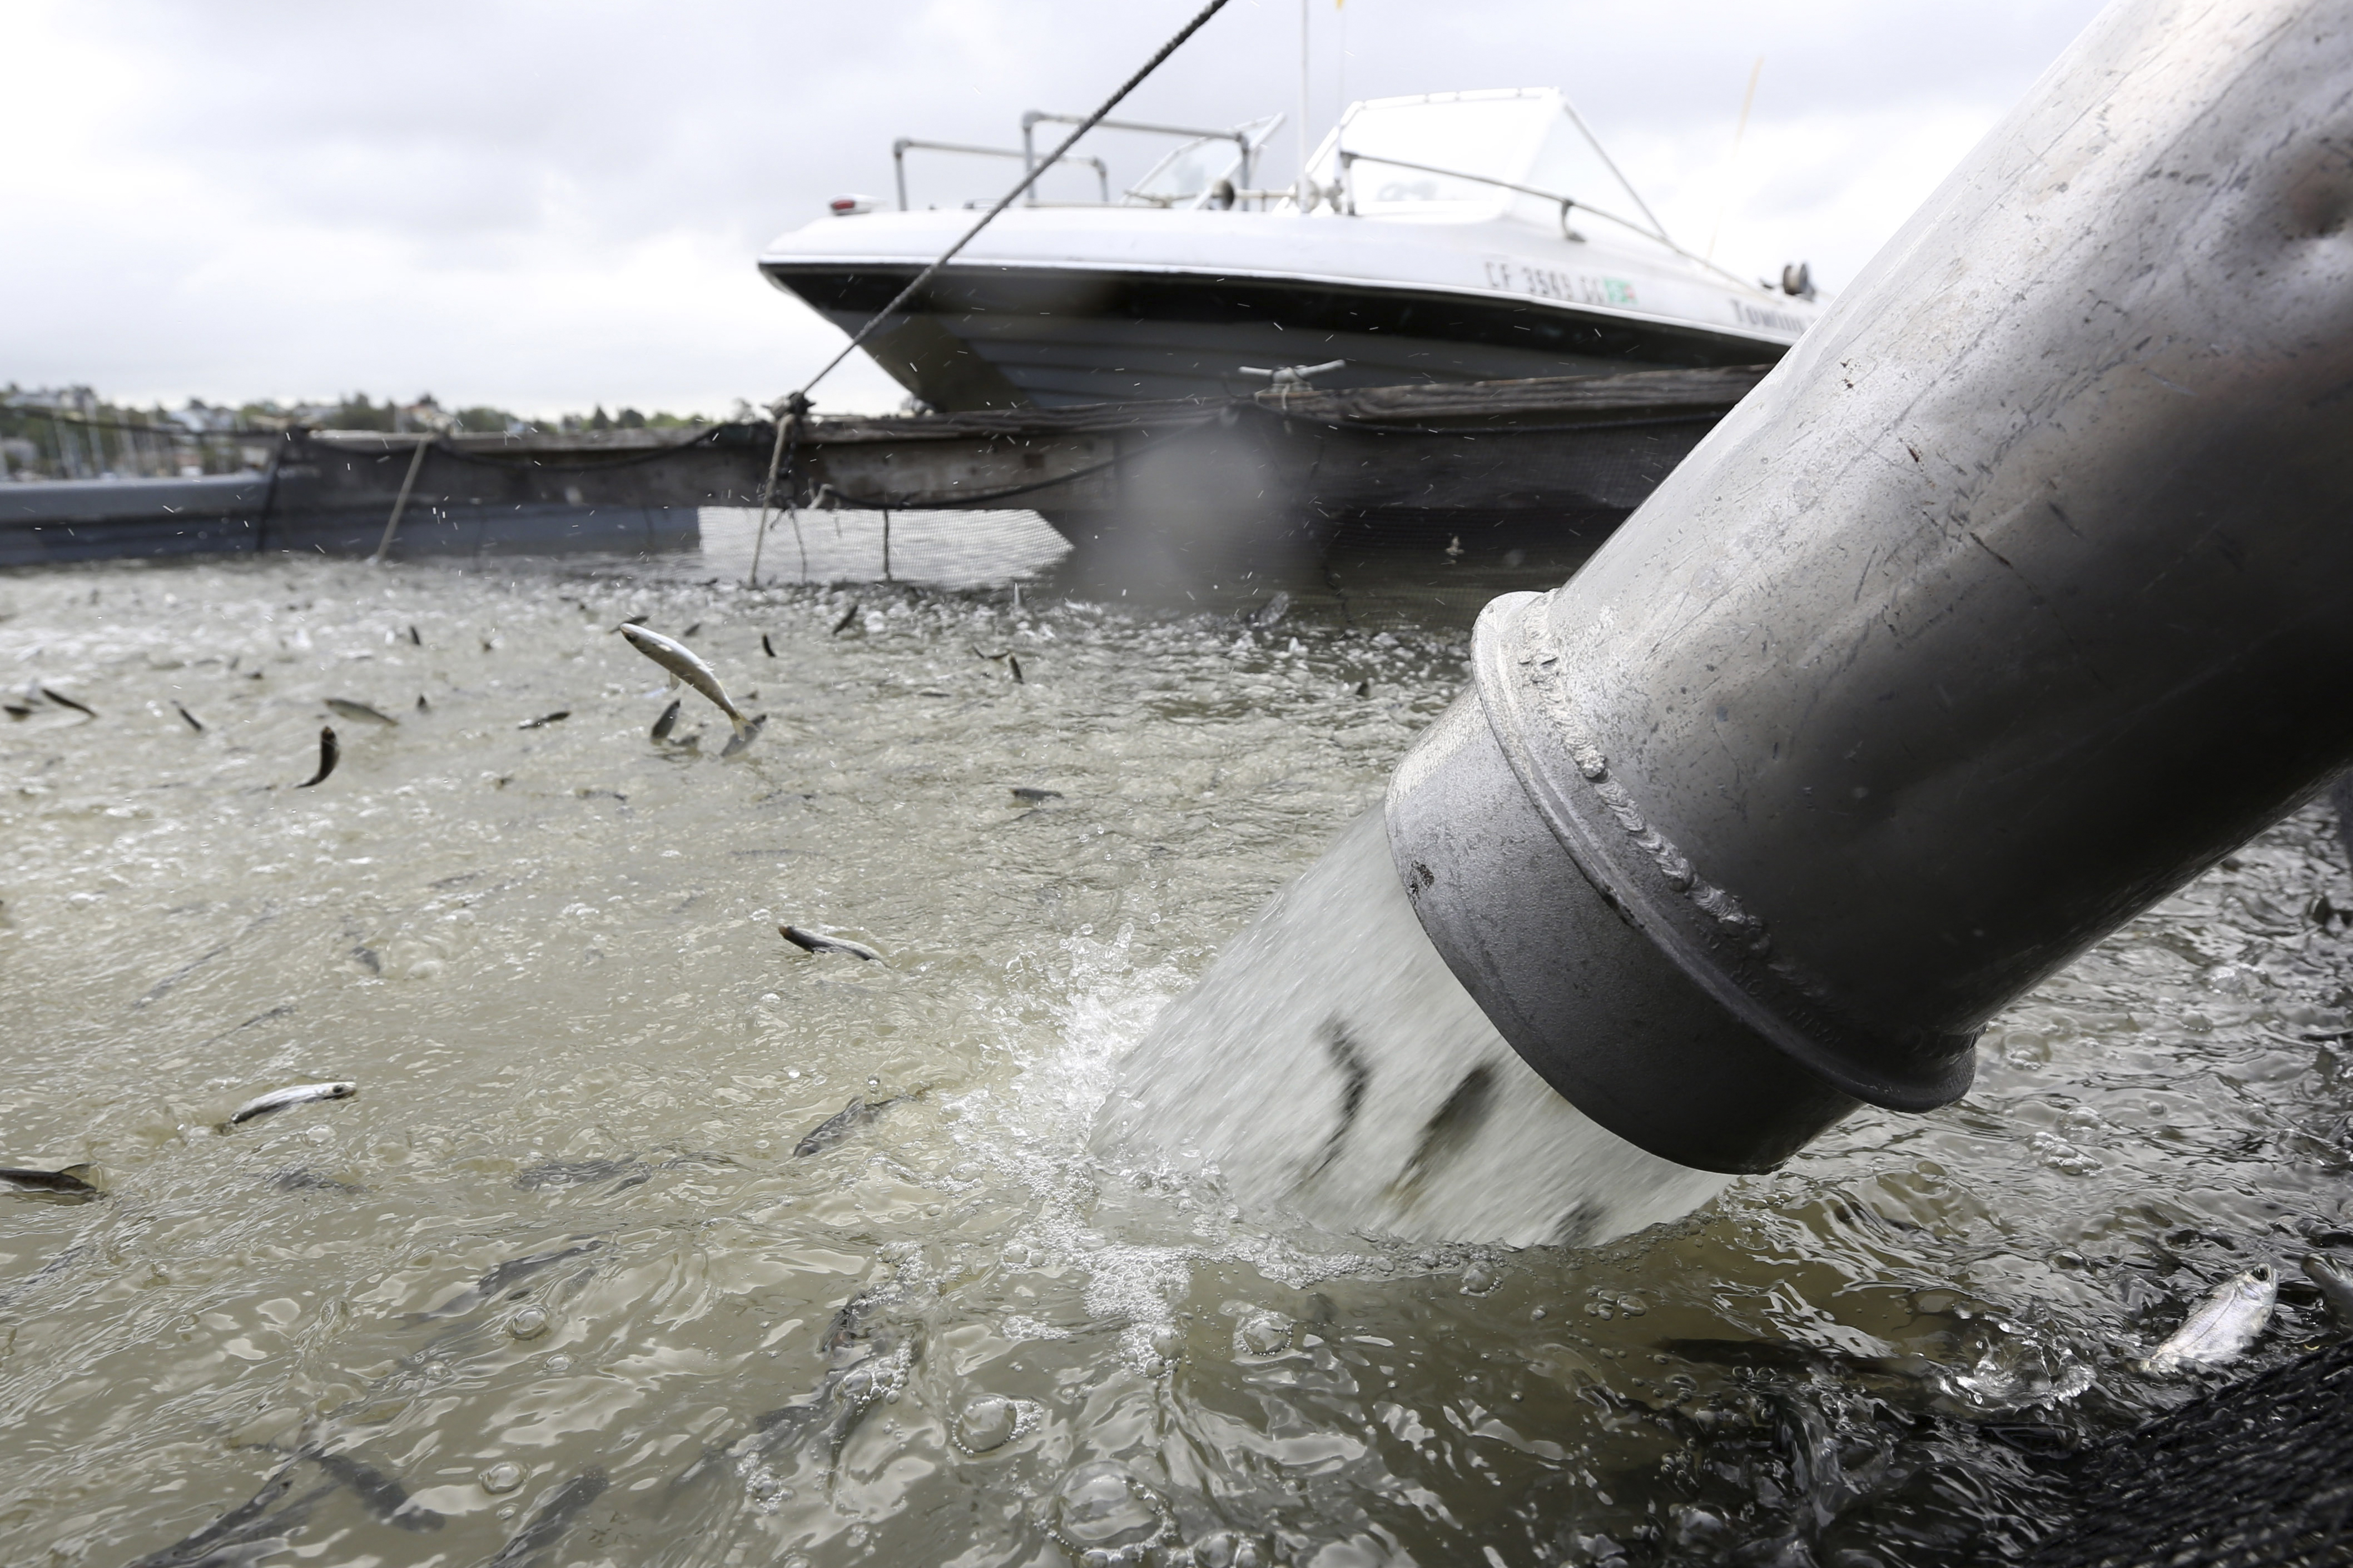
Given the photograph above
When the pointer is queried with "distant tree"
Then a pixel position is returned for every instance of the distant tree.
(600, 420)
(486, 421)
(356, 413)
(630, 419)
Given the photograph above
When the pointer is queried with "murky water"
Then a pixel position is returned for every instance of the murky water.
(556, 1283)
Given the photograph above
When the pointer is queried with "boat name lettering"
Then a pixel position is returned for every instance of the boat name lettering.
(1751, 315)
(1545, 283)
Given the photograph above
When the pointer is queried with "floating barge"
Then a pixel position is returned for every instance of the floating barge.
(1185, 485)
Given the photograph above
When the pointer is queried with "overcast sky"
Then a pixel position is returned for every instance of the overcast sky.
(544, 207)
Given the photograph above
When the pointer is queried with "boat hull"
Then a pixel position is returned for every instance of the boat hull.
(1001, 336)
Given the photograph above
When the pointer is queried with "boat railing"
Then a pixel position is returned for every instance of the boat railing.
(1239, 135)
(1347, 203)
(905, 144)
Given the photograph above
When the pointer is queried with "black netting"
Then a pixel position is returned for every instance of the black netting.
(2259, 1475)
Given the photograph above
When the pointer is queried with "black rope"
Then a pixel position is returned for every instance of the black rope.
(925, 276)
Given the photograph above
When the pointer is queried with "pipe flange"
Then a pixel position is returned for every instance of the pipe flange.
(1725, 947)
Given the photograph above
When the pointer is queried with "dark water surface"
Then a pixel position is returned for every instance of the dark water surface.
(556, 1283)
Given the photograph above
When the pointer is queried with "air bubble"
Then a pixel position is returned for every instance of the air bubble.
(502, 1477)
(528, 1323)
(1100, 1507)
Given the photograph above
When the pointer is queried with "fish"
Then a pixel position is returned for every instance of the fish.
(69, 1181)
(816, 942)
(684, 664)
(2222, 1326)
(1013, 662)
(498, 1281)
(553, 1518)
(328, 753)
(546, 719)
(414, 638)
(360, 710)
(378, 1493)
(2335, 1285)
(244, 1533)
(743, 738)
(848, 615)
(18, 711)
(298, 1180)
(691, 630)
(423, 706)
(579, 1173)
(842, 1123)
(637, 620)
(667, 722)
(1363, 688)
(1273, 610)
(766, 647)
(193, 722)
(295, 1094)
(62, 700)
(1030, 795)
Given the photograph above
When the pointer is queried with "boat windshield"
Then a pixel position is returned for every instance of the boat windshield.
(1408, 157)
(1189, 176)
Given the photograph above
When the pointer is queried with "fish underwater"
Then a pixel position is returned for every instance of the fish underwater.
(2336, 1287)
(685, 665)
(2222, 1326)
(68, 1181)
(843, 1122)
(296, 1094)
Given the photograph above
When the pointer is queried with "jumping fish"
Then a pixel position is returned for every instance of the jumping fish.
(360, 710)
(848, 615)
(684, 664)
(1013, 663)
(743, 738)
(296, 1094)
(2222, 1326)
(1030, 795)
(69, 1181)
(553, 1518)
(817, 941)
(667, 722)
(766, 647)
(62, 700)
(423, 706)
(328, 753)
(193, 723)
(546, 719)
(2336, 1287)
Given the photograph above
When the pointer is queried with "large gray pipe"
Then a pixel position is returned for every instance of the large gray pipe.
(2014, 597)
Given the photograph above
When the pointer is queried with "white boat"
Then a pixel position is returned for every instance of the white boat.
(1449, 236)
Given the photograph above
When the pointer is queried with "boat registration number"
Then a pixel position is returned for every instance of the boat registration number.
(1547, 283)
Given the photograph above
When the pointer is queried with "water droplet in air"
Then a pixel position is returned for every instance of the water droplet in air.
(502, 1477)
(528, 1323)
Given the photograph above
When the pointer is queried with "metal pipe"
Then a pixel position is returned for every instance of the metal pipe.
(2007, 604)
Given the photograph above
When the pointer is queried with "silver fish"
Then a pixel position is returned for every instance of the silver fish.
(297, 1094)
(817, 941)
(2222, 1326)
(684, 664)
(360, 710)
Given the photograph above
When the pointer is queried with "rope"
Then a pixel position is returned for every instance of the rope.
(1017, 193)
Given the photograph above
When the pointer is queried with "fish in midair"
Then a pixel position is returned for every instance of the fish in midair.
(546, 719)
(848, 615)
(360, 710)
(193, 722)
(667, 722)
(62, 700)
(2222, 1326)
(818, 941)
(414, 638)
(296, 1094)
(1030, 795)
(766, 647)
(328, 753)
(684, 664)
